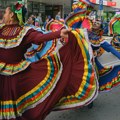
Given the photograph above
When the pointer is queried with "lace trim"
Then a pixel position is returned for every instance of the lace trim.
(14, 42)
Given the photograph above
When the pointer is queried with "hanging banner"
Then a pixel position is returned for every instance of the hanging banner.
(107, 3)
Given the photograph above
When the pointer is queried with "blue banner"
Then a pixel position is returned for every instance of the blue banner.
(100, 4)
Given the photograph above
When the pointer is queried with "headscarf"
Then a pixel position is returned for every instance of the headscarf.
(20, 10)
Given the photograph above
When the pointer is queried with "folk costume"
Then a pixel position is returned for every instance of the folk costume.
(108, 75)
(108, 72)
(62, 78)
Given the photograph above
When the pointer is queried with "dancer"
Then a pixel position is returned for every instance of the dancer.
(108, 75)
(62, 78)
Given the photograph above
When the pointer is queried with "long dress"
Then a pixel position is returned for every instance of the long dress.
(63, 78)
(108, 76)
(108, 73)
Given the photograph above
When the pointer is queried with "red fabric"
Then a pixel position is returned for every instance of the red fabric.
(86, 24)
(9, 29)
(16, 54)
(37, 37)
(12, 87)
(32, 36)
(68, 84)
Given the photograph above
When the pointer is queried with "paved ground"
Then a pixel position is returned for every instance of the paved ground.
(108, 59)
(106, 107)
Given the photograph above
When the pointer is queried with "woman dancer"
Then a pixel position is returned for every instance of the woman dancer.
(62, 78)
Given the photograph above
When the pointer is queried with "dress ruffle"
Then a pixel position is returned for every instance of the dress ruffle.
(11, 69)
(15, 41)
(38, 93)
(63, 79)
(109, 72)
(86, 91)
(110, 80)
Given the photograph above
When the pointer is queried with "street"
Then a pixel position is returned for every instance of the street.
(106, 107)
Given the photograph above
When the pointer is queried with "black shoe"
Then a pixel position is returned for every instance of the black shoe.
(90, 105)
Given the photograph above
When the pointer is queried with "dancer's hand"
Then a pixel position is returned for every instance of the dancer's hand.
(64, 33)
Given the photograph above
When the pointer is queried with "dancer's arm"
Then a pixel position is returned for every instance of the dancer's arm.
(108, 47)
(36, 37)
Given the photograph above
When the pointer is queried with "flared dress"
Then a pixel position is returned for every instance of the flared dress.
(62, 78)
(108, 70)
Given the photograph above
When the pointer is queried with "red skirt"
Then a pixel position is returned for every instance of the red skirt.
(58, 81)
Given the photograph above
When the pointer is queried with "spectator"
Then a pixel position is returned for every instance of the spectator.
(31, 21)
(58, 16)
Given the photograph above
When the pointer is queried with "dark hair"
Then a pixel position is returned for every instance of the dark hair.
(33, 18)
(24, 11)
(101, 26)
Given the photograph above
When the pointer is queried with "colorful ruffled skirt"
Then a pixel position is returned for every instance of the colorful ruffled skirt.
(62, 78)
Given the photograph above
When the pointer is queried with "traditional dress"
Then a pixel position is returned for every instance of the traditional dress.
(35, 52)
(108, 73)
(62, 78)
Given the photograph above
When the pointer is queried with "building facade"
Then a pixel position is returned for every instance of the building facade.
(43, 7)
(49, 7)
(117, 3)
(52, 7)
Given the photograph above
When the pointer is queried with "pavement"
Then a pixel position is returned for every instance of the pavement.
(106, 107)
(107, 58)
